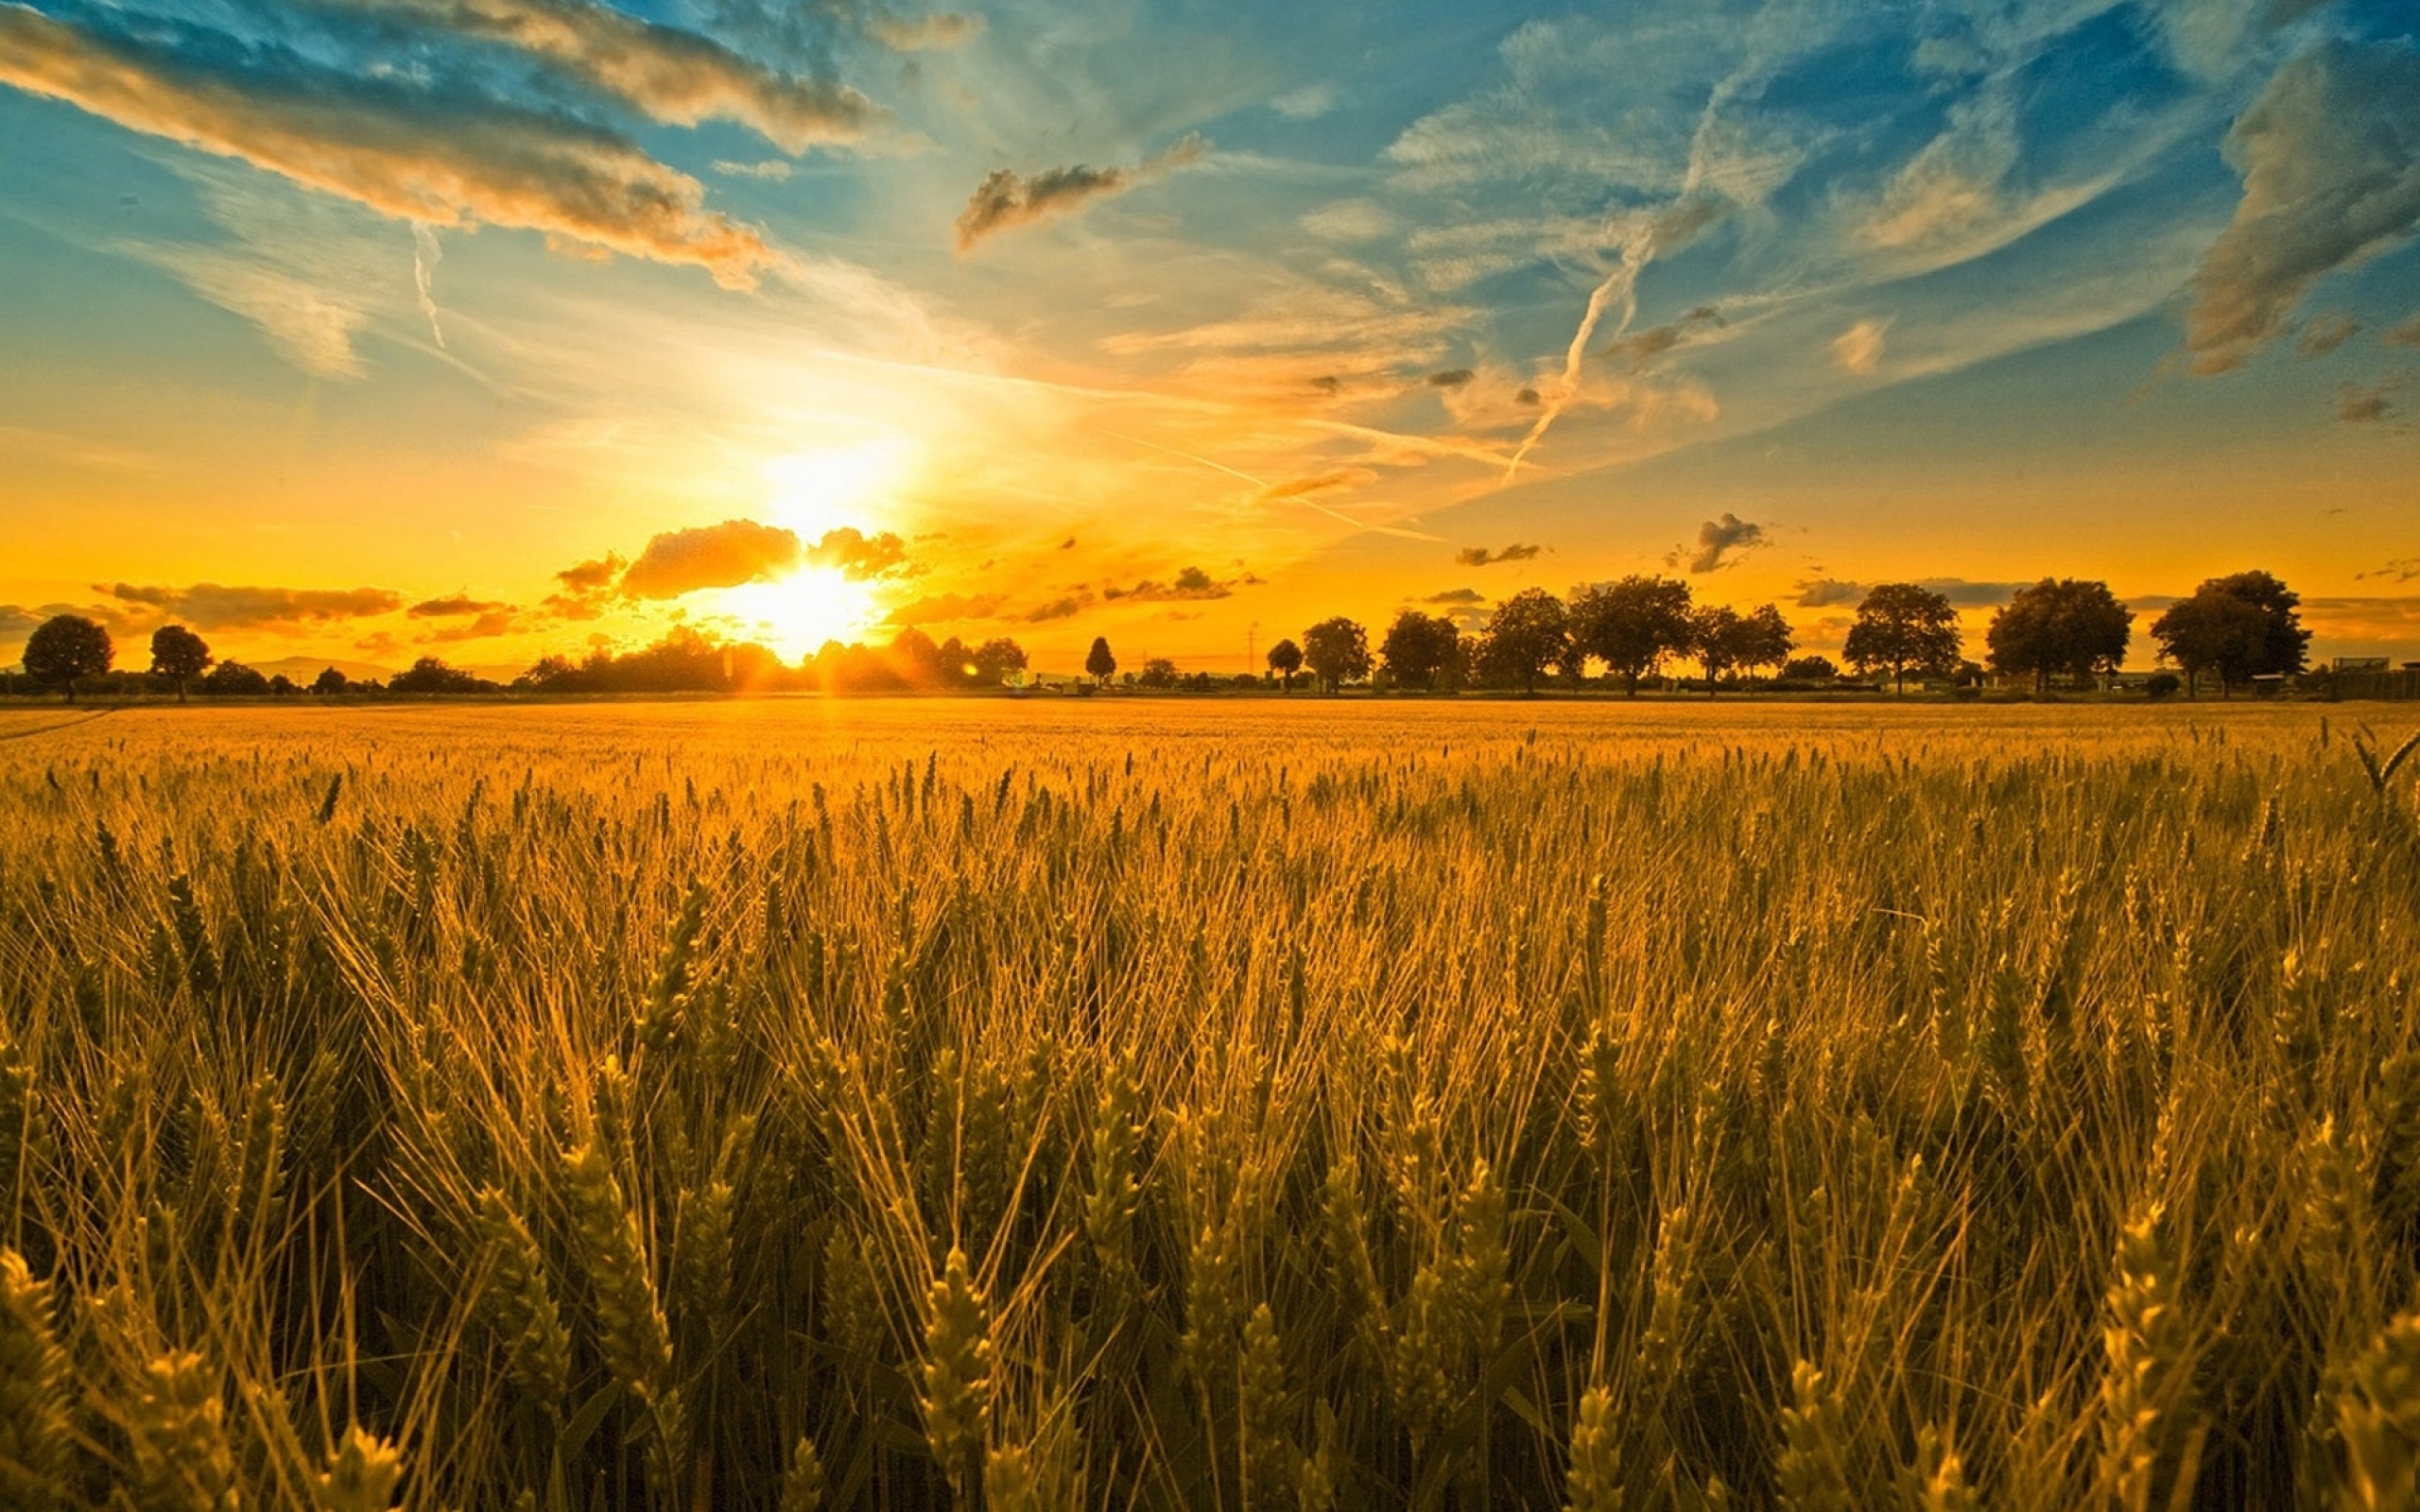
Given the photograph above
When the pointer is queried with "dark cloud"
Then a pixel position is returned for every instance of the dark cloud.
(2325, 332)
(857, 554)
(2356, 405)
(587, 587)
(672, 75)
(944, 607)
(218, 607)
(2401, 570)
(457, 604)
(2330, 159)
(437, 155)
(1826, 592)
(501, 619)
(1457, 596)
(723, 556)
(1527, 395)
(1192, 582)
(1728, 537)
(1642, 347)
(1007, 198)
(1481, 557)
(1451, 378)
(1065, 606)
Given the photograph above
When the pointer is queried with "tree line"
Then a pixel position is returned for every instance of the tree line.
(2235, 628)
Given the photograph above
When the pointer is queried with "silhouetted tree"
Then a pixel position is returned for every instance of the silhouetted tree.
(994, 659)
(1418, 647)
(1098, 661)
(1633, 625)
(232, 679)
(331, 682)
(66, 649)
(2059, 624)
(1809, 669)
(2242, 626)
(178, 655)
(1158, 672)
(1904, 628)
(1716, 634)
(1765, 638)
(1338, 651)
(1528, 633)
(1285, 658)
(431, 675)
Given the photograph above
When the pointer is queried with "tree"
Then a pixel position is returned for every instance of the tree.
(1336, 651)
(232, 679)
(1716, 633)
(2242, 626)
(1158, 672)
(178, 655)
(1098, 662)
(1528, 633)
(1418, 647)
(330, 682)
(1285, 658)
(2059, 624)
(1904, 628)
(1631, 626)
(66, 649)
(997, 659)
(431, 675)
(1765, 638)
(1809, 669)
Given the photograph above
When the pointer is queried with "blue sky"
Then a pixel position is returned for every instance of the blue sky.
(1169, 320)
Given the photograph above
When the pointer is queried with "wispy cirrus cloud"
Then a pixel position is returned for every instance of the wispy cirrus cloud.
(2330, 159)
(672, 75)
(438, 156)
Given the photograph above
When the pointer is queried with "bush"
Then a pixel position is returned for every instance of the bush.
(2162, 685)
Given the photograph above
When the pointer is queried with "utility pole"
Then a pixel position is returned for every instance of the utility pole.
(1251, 647)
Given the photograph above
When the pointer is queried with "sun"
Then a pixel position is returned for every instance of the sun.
(796, 614)
(811, 493)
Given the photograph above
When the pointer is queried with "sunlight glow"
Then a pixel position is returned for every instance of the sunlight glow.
(823, 490)
(797, 614)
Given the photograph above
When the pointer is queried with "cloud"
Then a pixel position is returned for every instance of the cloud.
(773, 170)
(2406, 335)
(1826, 592)
(1457, 596)
(723, 556)
(2325, 332)
(942, 608)
(1642, 347)
(672, 75)
(1451, 378)
(1307, 103)
(1481, 557)
(1065, 606)
(921, 34)
(1350, 220)
(1717, 538)
(857, 554)
(2330, 159)
(1315, 483)
(2401, 570)
(1007, 198)
(445, 158)
(501, 619)
(1858, 348)
(453, 606)
(218, 607)
(2356, 405)
(1190, 583)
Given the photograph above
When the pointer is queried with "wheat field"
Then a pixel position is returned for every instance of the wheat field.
(1292, 1104)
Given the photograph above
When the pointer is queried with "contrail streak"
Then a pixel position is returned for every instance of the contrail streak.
(427, 255)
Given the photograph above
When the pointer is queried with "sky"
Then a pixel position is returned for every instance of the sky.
(368, 329)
